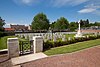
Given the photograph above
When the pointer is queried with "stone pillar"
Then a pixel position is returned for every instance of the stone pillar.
(38, 44)
(13, 47)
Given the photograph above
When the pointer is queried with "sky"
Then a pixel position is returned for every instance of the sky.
(23, 11)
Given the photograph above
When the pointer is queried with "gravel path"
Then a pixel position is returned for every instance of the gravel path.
(4, 61)
(86, 58)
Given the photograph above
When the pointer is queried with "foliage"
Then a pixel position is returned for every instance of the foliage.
(73, 26)
(61, 24)
(84, 23)
(72, 47)
(2, 23)
(3, 34)
(3, 42)
(40, 22)
(52, 25)
(51, 44)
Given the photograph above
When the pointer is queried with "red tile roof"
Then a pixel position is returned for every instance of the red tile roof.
(9, 29)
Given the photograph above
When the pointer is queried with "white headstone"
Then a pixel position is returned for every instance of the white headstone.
(64, 38)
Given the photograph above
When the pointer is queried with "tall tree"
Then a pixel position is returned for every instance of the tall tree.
(40, 22)
(97, 24)
(84, 23)
(73, 26)
(52, 25)
(2, 23)
(61, 24)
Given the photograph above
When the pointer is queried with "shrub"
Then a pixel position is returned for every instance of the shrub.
(47, 45)
(23, 37)
(3, 34)
(51, 44)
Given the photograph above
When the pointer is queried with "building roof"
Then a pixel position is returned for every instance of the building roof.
(9, 29)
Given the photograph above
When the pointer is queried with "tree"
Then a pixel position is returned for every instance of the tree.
(61, 24)
(97, 24)
(2, 23)
(40, 22)
(73, 26)
(84, 23)
(52, 25)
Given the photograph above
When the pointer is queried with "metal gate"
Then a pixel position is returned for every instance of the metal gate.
(26, 47)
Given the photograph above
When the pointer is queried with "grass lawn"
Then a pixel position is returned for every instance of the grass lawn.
(70, 35)
(72, 47)
(3, 41)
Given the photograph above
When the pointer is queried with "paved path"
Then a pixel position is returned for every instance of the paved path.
(4, 61)
(86, 58)
(27, 58)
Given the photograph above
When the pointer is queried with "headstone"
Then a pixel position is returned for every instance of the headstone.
(54, 38)
(64, 38)
(25, 36)
(13, 47)
(69, 38)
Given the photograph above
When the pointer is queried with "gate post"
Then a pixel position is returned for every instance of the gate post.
(38, 44)
(13, 47)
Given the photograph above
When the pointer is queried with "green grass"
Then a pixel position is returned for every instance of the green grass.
(69, 35)
(72, 47)
(3, 41)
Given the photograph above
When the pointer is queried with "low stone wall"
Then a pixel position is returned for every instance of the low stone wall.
(90, 31)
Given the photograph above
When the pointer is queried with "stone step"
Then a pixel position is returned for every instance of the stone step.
(27, 58)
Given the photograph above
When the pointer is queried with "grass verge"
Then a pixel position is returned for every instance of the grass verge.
(72, 47)
(3, 41)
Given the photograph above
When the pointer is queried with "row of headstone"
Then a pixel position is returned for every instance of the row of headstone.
(28, 36)
(54, 37)
(47, 36)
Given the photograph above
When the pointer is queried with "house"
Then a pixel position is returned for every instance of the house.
(19, 28)
(9, 29)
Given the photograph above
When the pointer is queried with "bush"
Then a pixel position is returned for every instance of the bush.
(23, 37)
(3, 34)
(47, 45)
(51, 44)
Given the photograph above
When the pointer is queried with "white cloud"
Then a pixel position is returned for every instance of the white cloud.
(87, 10)
(91, 8)
(26, 2)
(60, 3)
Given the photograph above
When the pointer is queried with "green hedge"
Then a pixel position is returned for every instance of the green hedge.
(2, 34)
(51, 44)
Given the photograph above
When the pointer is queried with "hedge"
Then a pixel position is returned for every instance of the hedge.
(50, 44)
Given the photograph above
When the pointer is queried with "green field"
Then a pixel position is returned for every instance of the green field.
(3, 41)
(72, 47)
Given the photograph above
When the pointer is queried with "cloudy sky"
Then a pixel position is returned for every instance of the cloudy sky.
(23, 11)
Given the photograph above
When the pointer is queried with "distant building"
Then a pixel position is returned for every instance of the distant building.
(9, 29)
(92, 29)
(29, 27)
(19, 28)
